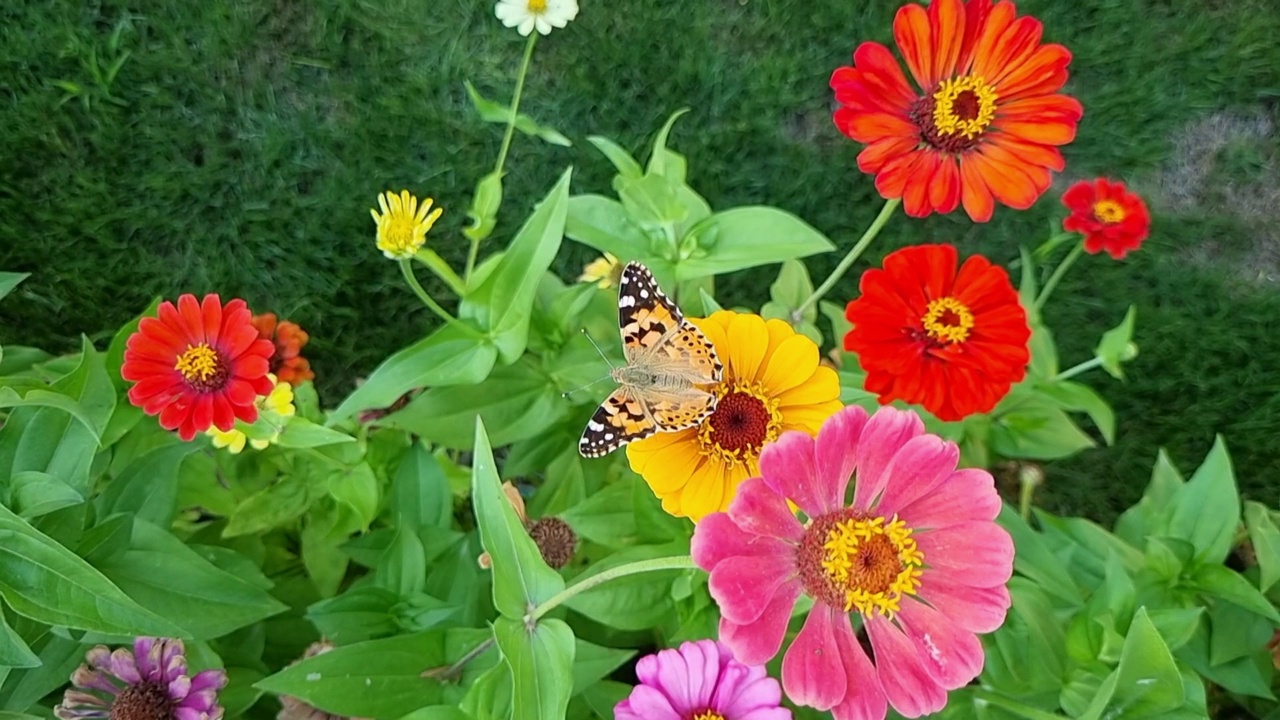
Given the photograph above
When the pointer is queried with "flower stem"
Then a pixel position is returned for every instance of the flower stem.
(1056, 277)
(442, 270)
(1077, 369)
(854, 253)
(451, 673)
(1026, 493)
(680, 562)
(506, 139)
(407, 270)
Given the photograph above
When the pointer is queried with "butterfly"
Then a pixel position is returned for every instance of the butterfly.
(668, 357)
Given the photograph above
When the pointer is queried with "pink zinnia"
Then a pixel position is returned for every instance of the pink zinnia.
(149, 682)
(701, 681)
(917, 556)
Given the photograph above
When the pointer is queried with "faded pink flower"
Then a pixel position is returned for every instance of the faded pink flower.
(149, 682)
(917, 557)
(701, 681)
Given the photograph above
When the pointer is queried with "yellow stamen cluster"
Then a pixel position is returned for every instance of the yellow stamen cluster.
(964, 105)
(947, 320)
(403, 224)
(198, 363)
(1108, 211)
(537, 6)
(708, 715)
(876, 563)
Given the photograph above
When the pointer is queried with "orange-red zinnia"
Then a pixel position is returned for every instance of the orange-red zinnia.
(286, 362)
(197, 365)
(925, 333)
(1109, 216)
(981, 122)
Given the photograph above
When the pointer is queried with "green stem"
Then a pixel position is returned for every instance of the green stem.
(442, 270)
(681, 562)
(854, 253)
(407, 270)
(1026, 493)
(1013, 706)
(1077, 369)
(506, 139)
(1056, 277)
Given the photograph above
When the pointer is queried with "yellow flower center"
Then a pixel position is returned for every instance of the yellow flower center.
(860, 563)
(1108, 211)
(202, 367)
(403, 224)
(964, 105)
(537, 6)
(947, 320)
(707, 715)
(744, 420)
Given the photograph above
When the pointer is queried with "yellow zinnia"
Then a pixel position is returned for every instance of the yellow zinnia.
(604, 271)
(403, 225)
(772, 383)
(274, 408)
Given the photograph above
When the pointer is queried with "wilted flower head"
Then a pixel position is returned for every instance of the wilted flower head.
(291, 708)
(403, 224)
(525, 15)
(701, 681)
(148, 683)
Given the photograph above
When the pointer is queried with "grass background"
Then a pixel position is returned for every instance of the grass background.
(240, 145)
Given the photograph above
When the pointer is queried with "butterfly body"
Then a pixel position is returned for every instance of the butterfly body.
(662, 387)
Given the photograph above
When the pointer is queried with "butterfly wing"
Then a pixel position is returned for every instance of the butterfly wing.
(677, 410)
(620, 419)
(656, 335)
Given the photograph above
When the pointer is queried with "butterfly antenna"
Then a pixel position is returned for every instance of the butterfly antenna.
(597, 347)
(583, 387)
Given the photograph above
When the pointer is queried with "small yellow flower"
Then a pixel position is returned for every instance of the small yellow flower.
(603, 271)
(273, 409)
(403, 225)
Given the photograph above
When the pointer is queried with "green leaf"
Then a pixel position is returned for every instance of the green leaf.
(1231, 586)
(1037, 430)
(1206, 511)
(1151, 515)
(9, 281)
(793, 287)
(403, 569)
(516, 402)
(1176, 625)
(541, 662)
(1235, 633)
(658, 155)
(490, 697)
(148, 486)
(634, 602)
(361, 613)
(269, 508)
(606, 517)
(484, 207)
(115, 351)
(161, 572)
(709, 304)
(33, 493)
(603, 223)
(1148, 682)
(372, 679)
(420, 493)
(1266, 542)
(1116, 346)
(494, 112)
(592, 663)
(14, 653)
(358, 489)
(621, 159)
(1033, 558)
(302, 433)
(749, 237)
(58, 658)
(501, 303)
(1074, 396)
(521, 579)
(44, 581)
(448, 356)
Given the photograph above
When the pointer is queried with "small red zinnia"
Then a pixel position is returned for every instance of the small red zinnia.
(953, 342)
(197, 365)
(1109, 216)
(286, 362)
(982, 121)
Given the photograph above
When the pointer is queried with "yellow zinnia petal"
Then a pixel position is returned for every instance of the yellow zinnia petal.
(748, 340)
(823, 386)
(705, 491)
(791, 364)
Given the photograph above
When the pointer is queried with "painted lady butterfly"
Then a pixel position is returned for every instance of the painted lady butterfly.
(668, 358)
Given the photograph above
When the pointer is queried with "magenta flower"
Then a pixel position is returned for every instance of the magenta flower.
(701, 681)
(149, 683)
(916, 556)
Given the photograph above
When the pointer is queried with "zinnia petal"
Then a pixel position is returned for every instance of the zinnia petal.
(811, 671)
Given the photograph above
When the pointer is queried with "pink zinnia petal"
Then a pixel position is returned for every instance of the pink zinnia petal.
(978, 610)
(968, 495)
(885, 433)
(757, 509)
(907, 684)
(811, 671)
(978, 554)
(786, 464)
(835, 457)
(759, 641)
(864, 698)
(743, 586)
(920, 466)
(717, 537)
(951, 654)
(124, 666)
(696, 677)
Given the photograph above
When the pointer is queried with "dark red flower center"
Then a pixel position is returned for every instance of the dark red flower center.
(740, 423)
(853, 561)
(144, 701)
(204, 368)
(954, 117)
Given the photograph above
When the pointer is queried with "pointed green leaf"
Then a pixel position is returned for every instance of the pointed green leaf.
(9, 281)
(1148, 682)
(626, 165)
(1265, 537)
(14, 653)
(1117, 346)
(541, 662)
(752, 236)
(1207, 509)
(1231, 586)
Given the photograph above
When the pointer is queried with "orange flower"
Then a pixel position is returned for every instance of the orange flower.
(286, 363)
(981, 122)
(954, 342)
(1110, 217)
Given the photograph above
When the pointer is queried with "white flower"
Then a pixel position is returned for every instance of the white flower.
(525, 15)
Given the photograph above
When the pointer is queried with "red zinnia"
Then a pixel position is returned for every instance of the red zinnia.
(288, 338)
(1109, 216)
(924, 333)
(197, 365)
(985, 118)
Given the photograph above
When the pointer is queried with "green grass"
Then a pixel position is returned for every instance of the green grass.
(240, 145)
